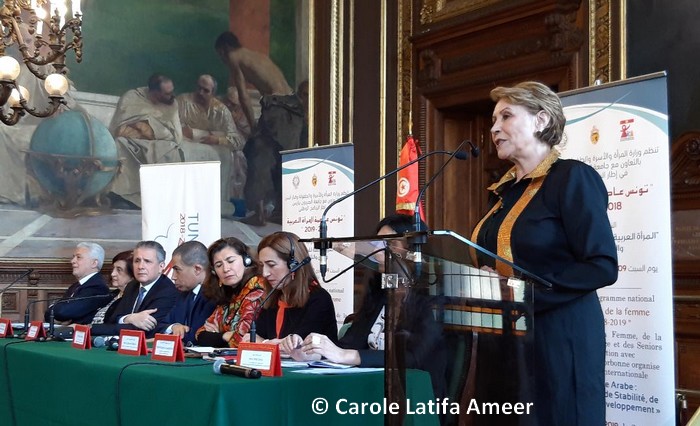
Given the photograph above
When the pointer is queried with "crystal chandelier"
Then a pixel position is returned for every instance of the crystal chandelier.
(42, 44)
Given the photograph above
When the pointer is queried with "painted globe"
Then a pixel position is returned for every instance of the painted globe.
(73, 156)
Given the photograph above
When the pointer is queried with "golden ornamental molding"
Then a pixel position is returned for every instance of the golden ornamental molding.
(336, 113)
(437, 10)
(607, 49)
(405, 72)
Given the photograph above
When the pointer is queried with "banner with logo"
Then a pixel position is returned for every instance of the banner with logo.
(180, 202)
(621, 130)
(312, 178)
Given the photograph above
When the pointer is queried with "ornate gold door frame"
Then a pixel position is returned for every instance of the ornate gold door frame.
(607, 57)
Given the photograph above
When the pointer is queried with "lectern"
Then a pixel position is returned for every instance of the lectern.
(471, 328)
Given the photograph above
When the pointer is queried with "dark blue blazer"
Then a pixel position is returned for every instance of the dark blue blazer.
(81, 311)
(162, 296)
(201, 310)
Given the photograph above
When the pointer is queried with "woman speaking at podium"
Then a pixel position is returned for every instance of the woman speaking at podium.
(549, 216)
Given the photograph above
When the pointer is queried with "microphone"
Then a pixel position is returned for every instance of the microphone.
(220, 367)
(323, 245)
(474, 149)
(111, 343)
(26, 314)
(24, 274)
(418, 241)
(306, 261)
(68, 300)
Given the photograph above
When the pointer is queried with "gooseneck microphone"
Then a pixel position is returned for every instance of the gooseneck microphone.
(68, 300)
(324, 245)
(419, 240)
(26, 314)
(221, 367)
(16, 280)
(306, 261)
(475, 151)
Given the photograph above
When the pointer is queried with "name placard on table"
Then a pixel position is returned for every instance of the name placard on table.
(132, 342)
(168, 347)
(6, 328)
(35, 331)
(81, 337)
(261, 356)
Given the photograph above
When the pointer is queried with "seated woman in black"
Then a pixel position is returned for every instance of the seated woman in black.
(363, 343)
(299, 305)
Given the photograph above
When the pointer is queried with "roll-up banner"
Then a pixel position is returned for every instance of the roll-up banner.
(180, 202)
(621, 130)
(312, 178)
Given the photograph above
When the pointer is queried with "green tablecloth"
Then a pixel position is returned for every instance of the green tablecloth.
(51, 383)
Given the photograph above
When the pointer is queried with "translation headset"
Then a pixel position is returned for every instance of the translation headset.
(292, 262)
(247, 261)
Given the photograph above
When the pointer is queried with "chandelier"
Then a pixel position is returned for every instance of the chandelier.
(42, 45)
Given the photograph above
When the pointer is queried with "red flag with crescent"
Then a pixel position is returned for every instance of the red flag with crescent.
(407, 186)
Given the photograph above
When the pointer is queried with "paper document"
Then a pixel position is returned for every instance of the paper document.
(356, 370)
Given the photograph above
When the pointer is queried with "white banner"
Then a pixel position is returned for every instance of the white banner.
(312, 179)
(180, 202)
(621, 130)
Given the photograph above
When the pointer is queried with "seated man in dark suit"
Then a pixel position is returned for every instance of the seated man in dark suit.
(145, 302)
(190, 274)
(80, 302)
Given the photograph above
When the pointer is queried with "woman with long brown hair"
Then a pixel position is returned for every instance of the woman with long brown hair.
(299, 305)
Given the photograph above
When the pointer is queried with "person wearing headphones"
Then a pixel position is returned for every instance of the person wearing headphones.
(238, 294)
(363, 343)
(298, 304)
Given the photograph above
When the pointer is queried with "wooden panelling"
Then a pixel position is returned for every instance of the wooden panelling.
(47, 281)
(685, 189)
(461, 50)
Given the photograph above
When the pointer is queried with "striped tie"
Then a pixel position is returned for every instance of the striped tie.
(142, 293)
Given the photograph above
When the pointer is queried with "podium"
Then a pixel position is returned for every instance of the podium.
(471, 328)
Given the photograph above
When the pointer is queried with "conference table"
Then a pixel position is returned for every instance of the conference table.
(52, 383)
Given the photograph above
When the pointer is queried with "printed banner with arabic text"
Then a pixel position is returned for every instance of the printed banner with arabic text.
(312, 178)
(621, 130)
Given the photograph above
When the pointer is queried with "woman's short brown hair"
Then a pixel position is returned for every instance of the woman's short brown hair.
(536, 97)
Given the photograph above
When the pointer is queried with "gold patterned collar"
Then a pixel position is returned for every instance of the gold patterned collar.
(541, 170)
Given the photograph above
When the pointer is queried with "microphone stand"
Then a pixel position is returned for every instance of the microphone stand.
(16, 280)
(323, 245)
(51, 335)
(26, 315)
(420, 238)
(284, 278)
(357, 262)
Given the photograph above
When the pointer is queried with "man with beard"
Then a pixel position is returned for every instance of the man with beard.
(147, 129)
(148, 113)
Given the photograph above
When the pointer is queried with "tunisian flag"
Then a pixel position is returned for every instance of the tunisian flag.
(407, 186)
